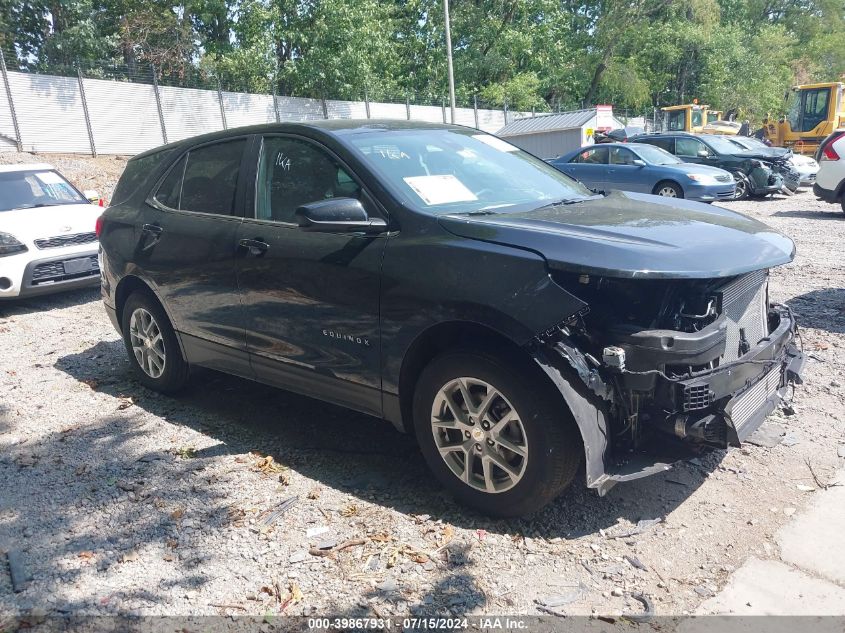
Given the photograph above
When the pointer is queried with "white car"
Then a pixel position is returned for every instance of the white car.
(806, 166)
(830, 181)
(47, 233)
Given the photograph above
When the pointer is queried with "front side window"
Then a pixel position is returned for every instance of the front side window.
(293, 172)
(676, 120)
(688, 147)
(592, 156)
(458, 171)
(621, 156)
(696, 117)
(815, 108)
(36, 188)
(204, 180)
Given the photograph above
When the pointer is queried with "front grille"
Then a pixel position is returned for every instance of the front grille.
(697, 397)
(747, 404)
(66, 240)
(744, 305)
(727, 195)
(52, 272)
(725, 178)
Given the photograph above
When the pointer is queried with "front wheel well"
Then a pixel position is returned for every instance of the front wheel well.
(668, 181)
(453, 336)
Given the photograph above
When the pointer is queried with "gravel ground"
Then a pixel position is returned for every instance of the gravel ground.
(119, 500)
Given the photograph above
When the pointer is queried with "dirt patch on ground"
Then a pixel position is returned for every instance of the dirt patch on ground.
(121, 500)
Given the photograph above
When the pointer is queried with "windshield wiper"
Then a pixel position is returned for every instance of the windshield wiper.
(565, 201)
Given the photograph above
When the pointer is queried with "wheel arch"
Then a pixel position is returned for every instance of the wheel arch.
(667, 181)
(133, 283)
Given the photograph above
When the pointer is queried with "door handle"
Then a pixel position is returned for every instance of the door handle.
(255, 247)
(153, 231)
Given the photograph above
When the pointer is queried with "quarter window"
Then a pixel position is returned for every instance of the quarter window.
(205, 180)
(293, 172)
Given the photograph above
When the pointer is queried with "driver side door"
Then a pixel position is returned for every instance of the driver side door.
(310, 299)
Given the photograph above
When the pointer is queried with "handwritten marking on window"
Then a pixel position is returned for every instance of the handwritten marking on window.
(282, 161)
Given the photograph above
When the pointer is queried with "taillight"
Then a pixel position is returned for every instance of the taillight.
(98, 226)
(829, 153)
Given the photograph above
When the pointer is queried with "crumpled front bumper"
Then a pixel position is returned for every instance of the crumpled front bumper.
(739, 395)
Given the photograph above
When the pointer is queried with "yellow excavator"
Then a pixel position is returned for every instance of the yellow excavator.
(813, 111)
(697, 119)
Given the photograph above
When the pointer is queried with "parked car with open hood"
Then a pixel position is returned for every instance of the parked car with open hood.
(806, 166)
(646, 169)
(756, 174)
(436, 276)
(47, 237)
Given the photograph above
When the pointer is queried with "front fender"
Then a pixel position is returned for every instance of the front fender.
(588, 398)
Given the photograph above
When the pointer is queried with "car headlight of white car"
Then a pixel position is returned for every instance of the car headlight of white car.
(9, 245)
(703, 179)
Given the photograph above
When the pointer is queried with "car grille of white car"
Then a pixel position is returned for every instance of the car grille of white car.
(52, 272)
(744, 304)
(66, 240)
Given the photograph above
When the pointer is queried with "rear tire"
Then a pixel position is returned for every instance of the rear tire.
(668, 189)
(511, 448)
(151, 344)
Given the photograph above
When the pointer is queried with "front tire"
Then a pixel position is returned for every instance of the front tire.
(668, 189)
(499, 441)
(151, 344)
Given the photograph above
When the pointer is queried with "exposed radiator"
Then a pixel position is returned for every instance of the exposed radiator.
(744, 304)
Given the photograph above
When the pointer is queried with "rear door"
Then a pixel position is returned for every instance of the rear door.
(187, 250)
(589, 166)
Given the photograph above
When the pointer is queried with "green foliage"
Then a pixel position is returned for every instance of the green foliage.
(737, 55)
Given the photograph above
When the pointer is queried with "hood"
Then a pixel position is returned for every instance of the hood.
(31, 224)
(695, 168)
(770, 153)
(635, 235)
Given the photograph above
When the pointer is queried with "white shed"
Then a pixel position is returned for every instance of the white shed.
(550, 135)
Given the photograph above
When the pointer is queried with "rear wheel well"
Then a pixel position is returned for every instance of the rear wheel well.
(452, 336)
(125, 288)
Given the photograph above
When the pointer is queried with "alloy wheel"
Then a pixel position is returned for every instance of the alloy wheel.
(479, 435)
(667, 192)
(147, 343)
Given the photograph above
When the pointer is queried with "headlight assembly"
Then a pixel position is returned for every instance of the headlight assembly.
(9, 245)
(702, 179)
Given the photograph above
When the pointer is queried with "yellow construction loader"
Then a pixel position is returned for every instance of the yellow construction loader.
(698, 119)
(813, 111)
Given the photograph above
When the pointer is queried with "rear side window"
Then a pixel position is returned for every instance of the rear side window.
(663, 143)
(205, 180)
(592, 156)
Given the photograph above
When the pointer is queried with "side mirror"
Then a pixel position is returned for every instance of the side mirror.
(91, 195)
(337, 215)
(638, 162)
(703, 153)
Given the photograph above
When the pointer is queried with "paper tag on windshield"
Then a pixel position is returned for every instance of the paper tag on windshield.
(49, 178)
(495, 142)
(441, 189)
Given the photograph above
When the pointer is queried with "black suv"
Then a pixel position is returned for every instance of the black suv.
(457, 286)
(757, 173)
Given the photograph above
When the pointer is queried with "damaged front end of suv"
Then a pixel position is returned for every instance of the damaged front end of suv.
(677, 346)
(669, 367)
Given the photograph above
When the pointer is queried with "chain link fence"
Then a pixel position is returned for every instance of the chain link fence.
(118, 109)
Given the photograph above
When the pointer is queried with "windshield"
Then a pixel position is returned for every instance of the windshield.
(655, 155)
(36, 188)
(459, 171)
(722, 145)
